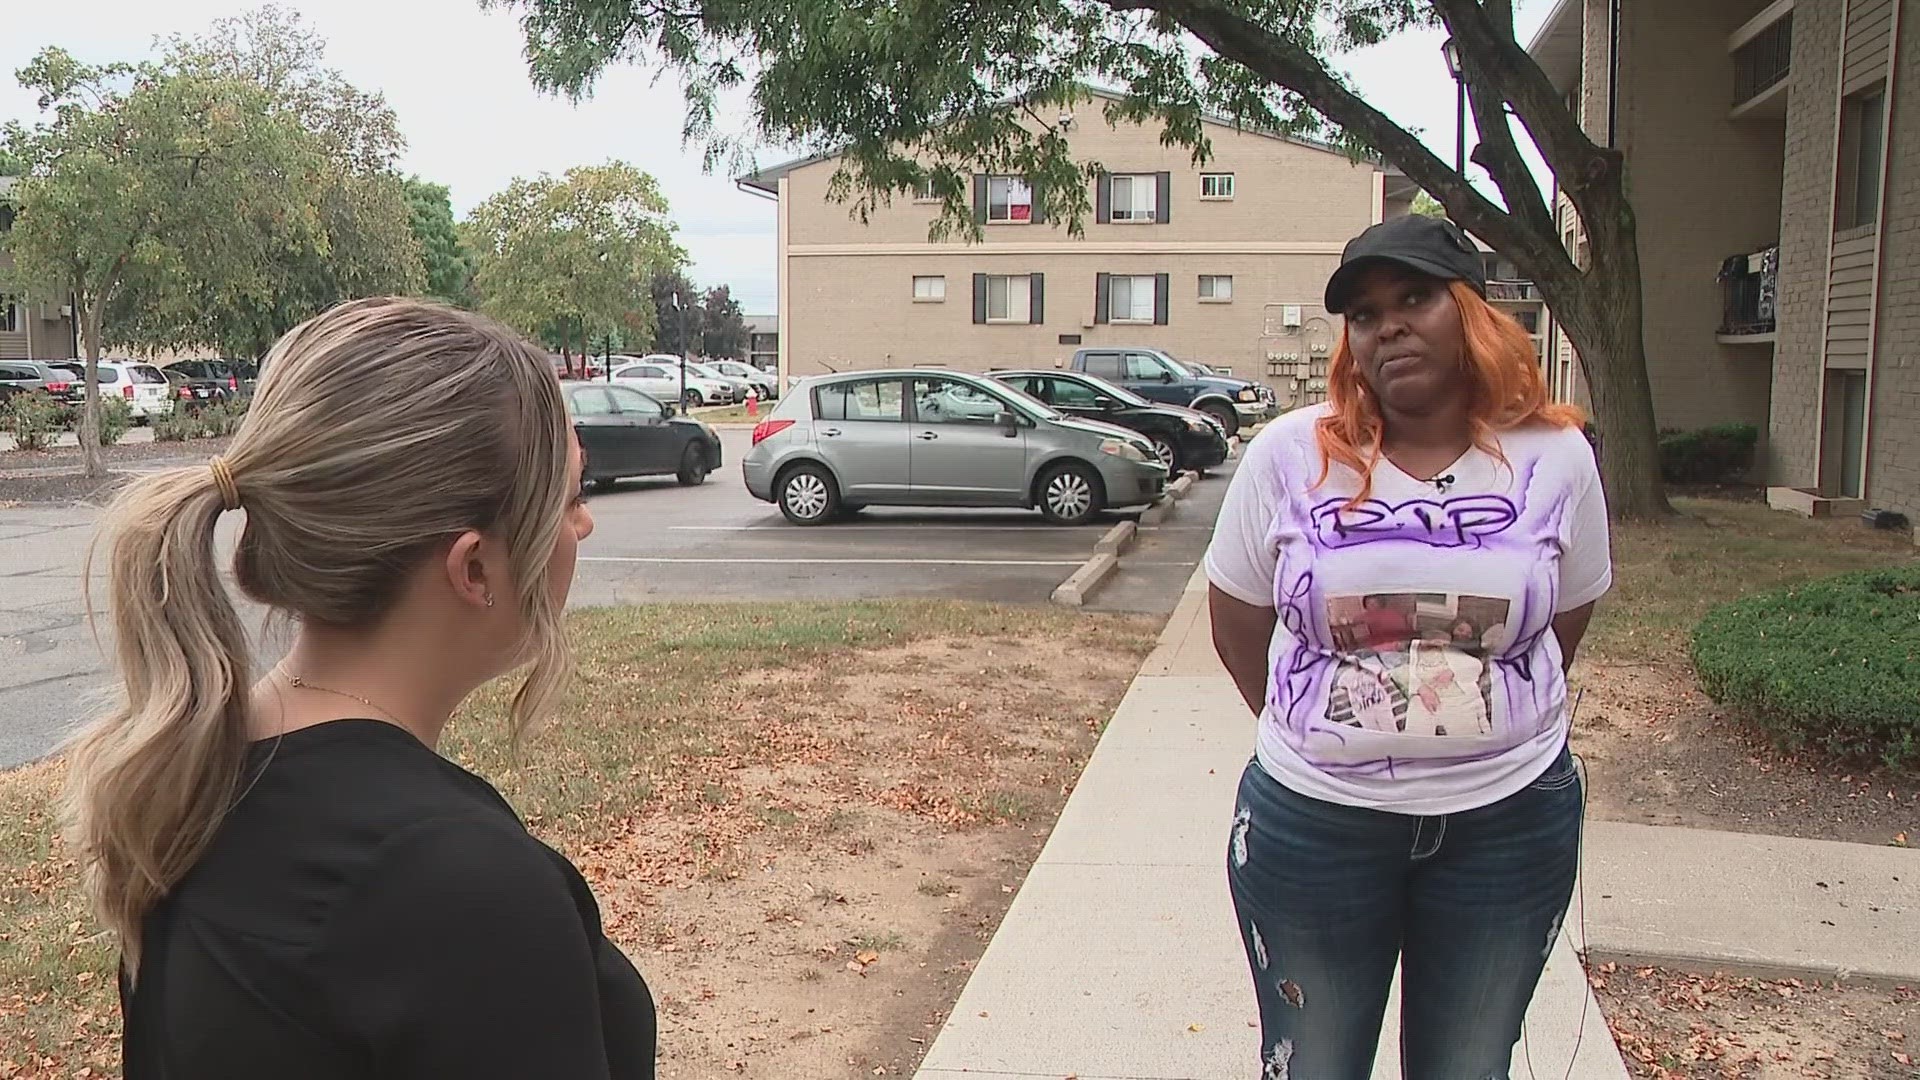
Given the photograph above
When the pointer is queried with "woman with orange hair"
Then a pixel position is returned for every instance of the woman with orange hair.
(1439, 479)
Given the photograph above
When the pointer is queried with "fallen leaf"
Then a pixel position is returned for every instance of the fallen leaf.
(1903, 1059)
(1899, 839)
(867, 956)
(1196, 1027)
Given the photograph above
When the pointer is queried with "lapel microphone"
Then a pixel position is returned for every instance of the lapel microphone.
(1442, 483)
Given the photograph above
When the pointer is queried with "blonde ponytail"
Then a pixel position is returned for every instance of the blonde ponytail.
(380, 429)
(151, 780)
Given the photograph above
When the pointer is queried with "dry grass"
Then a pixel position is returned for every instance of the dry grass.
(727, 776)
(1666, 576)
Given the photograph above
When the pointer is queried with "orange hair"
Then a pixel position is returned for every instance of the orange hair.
(1508, 391)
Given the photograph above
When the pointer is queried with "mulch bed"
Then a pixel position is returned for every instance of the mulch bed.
(52, 477)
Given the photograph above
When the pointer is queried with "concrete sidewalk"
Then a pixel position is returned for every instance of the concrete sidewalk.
(1119, 956)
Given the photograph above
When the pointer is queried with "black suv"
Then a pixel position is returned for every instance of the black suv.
(1183, 438)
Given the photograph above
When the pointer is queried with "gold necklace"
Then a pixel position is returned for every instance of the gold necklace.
(299, 683)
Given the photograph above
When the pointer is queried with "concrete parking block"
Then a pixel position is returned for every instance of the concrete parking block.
(1118, 539)
(1180, 485)
(1161, 510)
(1074, 591)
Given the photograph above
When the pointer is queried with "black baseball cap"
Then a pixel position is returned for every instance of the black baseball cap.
(1430, 245)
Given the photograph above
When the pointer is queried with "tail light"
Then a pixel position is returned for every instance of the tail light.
(233, 382)
(127, 391)
(767, 429)
(56, 388)
(186, 393)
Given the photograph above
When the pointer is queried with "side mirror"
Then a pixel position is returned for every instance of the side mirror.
(1103, 403)
(1009, 423)
(1165, 375)
(668, 410)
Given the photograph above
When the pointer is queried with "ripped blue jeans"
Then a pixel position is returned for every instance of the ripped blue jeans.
(1330, 896)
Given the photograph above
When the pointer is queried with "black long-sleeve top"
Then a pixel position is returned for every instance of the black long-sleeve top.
(368, 910)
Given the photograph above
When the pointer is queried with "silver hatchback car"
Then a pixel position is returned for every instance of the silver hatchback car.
(940, 438)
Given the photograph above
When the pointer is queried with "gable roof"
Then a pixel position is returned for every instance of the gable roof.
(768, 179)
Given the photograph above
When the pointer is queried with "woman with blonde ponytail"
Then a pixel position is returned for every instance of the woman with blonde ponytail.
(302, 887)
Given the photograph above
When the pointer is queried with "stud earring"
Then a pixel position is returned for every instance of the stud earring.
(489, 599)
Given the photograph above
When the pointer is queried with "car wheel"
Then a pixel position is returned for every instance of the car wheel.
(693, 466)
(1168, 453)
(808, 495)
(692, 400)
(1224, 413)
(1070, 494)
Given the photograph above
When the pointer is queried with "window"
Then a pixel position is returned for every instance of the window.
(1072, 394)
(141, 373)
(9, 313)
(1862, 155)
(929, 288)
(1216, 288)
(1106, 365)
(1218, 185)
(1144, 367)
(871, 400)
(634, 402)
(923, 191)
(1009, 298)
(1135, 198)
(949, 401)
(591, 401)
(1130, 298)
(1009, 200)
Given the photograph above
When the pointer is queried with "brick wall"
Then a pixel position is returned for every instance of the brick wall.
(1806, 231)
(1893, 445)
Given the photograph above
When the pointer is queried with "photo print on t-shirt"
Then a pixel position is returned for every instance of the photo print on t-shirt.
(1416, 663)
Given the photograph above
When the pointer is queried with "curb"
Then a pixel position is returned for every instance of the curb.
(1161, 510)
(1118, 539)
(1180, 487)
(1074, 591)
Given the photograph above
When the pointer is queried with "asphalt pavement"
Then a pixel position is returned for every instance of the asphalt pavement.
(653, 541)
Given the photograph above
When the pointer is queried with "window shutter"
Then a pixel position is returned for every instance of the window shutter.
(979, 298)
(979, 199)
(1103, 199)
(1101, 289)
(1163, 194)
(1038, 295)
(1161, 283)
(1037, 215)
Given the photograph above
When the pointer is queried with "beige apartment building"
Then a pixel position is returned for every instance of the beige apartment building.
(1223, 263)
(30, 328)
(1774, 171)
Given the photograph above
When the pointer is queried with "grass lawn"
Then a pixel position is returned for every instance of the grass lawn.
(1666, 576)
(802, 821)
(733, 414)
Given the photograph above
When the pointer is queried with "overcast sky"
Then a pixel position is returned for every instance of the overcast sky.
(455, 77)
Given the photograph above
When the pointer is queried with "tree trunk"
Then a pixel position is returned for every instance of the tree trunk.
(88, 433)
(1606, 329)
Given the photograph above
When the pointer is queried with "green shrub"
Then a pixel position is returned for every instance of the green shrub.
(178, 426)
(221, 419)
(1713, 455)
(1832, 665)
(116, 419)
(33, 419)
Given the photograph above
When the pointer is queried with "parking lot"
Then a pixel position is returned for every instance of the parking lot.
(654, 540)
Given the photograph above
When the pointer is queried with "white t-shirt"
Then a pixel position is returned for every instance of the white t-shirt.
(1414, 667)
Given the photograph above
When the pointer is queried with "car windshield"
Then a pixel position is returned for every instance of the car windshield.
(702, 369)
(1027, 401)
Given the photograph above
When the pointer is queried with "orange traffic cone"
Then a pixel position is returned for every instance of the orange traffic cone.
(753, 401)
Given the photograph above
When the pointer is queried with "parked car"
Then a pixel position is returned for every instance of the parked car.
(1154, 374)
(146, 391)
(237, 376)
(578, 367)
(624, 432)
(917, 438)
(24, 377)
(199, 391)
(766, 382)
(1182, 438)
(67, 382)
(662, 380)
(738, 386)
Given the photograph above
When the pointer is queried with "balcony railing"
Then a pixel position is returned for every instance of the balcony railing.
(1512, 290)
(1748, 287)
(1763, 61)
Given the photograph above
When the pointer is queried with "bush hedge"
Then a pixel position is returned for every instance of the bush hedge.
(1713, 455)
(116, 419)
(33, 419)
(1832, 665)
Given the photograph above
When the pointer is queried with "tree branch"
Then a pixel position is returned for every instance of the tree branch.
(1286, 64)
(1575, 160)
(1496, 151)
